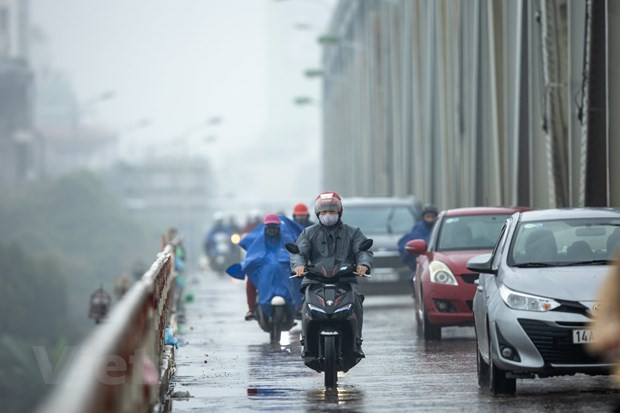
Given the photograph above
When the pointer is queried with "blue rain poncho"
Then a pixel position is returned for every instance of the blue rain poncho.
(267, 264)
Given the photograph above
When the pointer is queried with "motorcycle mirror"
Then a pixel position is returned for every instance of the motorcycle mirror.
(292, 248)
(235, 271)
(366, 244)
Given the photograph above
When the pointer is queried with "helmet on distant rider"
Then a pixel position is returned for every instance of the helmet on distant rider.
(430, 209)
(300, 209)
(271, 219)
(328, 201)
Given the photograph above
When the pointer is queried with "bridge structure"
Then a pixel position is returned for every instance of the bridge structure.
(124, 365)
(474, 102)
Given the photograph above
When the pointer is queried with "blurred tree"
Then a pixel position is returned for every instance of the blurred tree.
(61, 239)
(32, 313)
(78, 222)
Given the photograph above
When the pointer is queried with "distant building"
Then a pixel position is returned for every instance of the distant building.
(20, 147)
(69, 144)
(164, 192)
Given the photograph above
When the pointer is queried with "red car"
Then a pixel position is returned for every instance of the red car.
(443, 287)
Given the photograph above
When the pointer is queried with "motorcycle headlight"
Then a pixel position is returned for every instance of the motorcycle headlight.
(315, 308)
(343, 308)
(342, 312)
(441, 273)
(235, 238)
(527, 302)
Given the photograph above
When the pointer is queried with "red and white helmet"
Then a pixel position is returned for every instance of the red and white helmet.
(328, 201)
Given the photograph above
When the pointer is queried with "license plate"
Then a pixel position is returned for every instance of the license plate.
(582, 336)
(383, 275)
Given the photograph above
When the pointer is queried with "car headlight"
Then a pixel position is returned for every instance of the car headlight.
(441, 273)
(520, 301)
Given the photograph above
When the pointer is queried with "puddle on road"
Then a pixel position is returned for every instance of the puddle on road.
(270, 392)
(342, 399)
(346, 398)
(341, 395)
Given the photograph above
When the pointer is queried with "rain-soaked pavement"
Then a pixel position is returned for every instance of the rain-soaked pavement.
(227, 364)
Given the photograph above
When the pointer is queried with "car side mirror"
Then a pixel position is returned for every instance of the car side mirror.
(416, 247)
(481, 264)
(292, 248)
(366, 244)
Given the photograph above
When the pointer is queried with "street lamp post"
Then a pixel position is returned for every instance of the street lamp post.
(128, 129)
(83, 108)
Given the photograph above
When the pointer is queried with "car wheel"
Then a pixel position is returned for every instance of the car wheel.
(429, 331)
(482, 367)
(418, 324)
(498, 382)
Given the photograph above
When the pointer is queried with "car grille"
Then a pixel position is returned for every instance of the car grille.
(572, 307)
(555, 344)
(470, 278)
(387, 262)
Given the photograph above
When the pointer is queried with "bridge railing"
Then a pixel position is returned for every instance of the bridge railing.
(116, 369)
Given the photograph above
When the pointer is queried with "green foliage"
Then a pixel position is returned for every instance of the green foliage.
(33, 295)
(74, 215)
(62, 239)
(22, 382)
(33, 313)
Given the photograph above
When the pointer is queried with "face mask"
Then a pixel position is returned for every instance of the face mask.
(301, 219)
(272, 231)
(328, 219)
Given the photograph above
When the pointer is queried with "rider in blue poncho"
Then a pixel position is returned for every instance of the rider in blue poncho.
(421, 230)
(266, 263)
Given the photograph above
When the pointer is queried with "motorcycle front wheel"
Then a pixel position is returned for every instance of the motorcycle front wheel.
(276, 324)
(331, 362)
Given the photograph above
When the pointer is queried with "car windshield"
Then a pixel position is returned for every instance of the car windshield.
(380, 219)
(470, 232)
(564, 242)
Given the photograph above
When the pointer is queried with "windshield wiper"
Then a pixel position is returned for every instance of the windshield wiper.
(589, 262)
(534, 265)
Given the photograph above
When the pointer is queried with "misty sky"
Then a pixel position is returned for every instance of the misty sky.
(179, 62)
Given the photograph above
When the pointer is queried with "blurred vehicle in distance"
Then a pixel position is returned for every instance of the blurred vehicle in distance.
(385, 220)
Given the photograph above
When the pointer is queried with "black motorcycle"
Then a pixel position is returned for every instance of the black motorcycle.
(328, 319)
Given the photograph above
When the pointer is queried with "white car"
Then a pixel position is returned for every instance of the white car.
(536, 294)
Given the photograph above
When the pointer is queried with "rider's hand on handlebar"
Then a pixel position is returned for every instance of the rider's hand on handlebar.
(299, 271)
(361, 270)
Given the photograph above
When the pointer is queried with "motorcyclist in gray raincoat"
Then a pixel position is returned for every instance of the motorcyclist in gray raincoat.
(331, 238)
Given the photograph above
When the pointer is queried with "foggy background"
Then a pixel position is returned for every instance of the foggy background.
(125, 117)
(210, 82)
(178, 65)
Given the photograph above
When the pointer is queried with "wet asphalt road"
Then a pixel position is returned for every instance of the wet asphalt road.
(227, 364)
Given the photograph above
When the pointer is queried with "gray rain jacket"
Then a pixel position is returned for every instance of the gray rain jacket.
(340, 241)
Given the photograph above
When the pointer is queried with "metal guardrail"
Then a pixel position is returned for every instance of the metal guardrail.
(116, 369)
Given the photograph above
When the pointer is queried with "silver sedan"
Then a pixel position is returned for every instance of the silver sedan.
(536, 294)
